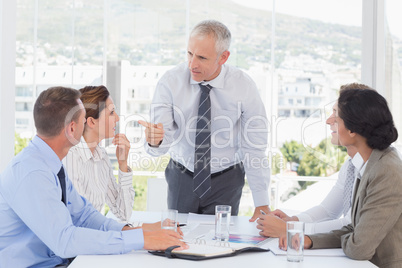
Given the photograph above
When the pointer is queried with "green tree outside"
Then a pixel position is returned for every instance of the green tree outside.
(322, 160)
(140, 182)
(155, 164)
(292, 151)
(19, 143)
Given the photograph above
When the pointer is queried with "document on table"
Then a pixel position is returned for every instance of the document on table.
(207, 247)
(202, 219)
(195, 231)
(273, 246)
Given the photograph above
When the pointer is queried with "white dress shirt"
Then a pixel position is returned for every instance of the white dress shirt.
(327, 216)
(239, 126)
(92, 176)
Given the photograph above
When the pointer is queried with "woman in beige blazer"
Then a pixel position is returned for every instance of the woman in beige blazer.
(362, 121)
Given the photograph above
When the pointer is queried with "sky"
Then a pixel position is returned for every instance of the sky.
(393, 13)
(324, 10)
(346, 12)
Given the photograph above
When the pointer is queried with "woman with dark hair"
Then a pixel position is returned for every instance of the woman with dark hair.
(362, 121)
(88, 165)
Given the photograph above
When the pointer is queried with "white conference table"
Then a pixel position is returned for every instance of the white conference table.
(142, 258)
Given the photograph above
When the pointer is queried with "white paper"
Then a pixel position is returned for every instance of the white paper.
(195, 231)
(202, 219)
(273, 245)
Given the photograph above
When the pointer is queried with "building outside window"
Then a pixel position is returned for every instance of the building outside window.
(297, 52)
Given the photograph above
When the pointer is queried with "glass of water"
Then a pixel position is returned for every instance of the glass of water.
(222, 222)
(169, 219)
(295, 239)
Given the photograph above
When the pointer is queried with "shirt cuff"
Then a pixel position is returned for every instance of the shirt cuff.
(304, 217)
(156, 151)
(133, 240)
(261, 198)
(126, 178)
(115, 225)
(309, 228)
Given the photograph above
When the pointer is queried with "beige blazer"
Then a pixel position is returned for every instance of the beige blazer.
(375, 233)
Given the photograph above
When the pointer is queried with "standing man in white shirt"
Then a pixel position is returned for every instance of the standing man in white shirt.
(326, 216)
(211, 119)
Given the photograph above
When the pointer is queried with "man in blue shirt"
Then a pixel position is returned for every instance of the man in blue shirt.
(44, 221)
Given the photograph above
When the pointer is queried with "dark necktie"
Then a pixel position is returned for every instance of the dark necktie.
(357, 184)
(62, 179)
(202, 156)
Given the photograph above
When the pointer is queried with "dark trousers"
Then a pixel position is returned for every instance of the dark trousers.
(226, 189)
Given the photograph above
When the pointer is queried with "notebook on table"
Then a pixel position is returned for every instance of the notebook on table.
(202, 249)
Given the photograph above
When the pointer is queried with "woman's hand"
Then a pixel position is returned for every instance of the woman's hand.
(283, 243)
(271, 226)
(122, 150)
(279, 213)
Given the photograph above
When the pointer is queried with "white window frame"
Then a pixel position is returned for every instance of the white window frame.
(373, 45)
(8, 17)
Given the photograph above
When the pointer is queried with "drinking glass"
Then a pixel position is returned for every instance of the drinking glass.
(222, 222)
(169, 219)
(295, 239)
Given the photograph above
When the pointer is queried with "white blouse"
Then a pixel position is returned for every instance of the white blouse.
(92, 176)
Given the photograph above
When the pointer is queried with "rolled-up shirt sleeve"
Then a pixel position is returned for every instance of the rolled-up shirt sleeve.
(120, 195)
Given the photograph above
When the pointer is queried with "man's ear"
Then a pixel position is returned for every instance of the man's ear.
(223, 57)
(70, 130)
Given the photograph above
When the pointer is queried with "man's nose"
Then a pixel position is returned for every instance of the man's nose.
(193, 63)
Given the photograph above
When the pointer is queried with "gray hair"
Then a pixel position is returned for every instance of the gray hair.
(218, 30)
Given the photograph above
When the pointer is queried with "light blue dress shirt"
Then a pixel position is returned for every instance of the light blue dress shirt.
(239, 124)
(37, 229)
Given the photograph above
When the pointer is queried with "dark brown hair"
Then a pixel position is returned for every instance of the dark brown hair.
(355, 86)
(54, 109)
(365, 112)
(94, 100)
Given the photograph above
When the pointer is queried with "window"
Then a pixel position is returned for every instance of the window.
(21, 122)
(23, 106)
(298, 67)
(393, 61)
(22, 91)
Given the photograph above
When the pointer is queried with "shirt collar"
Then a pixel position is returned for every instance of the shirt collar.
(359, 164)
(50, 157)
(217, 82)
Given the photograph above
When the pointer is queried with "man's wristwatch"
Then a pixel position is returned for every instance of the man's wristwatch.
(155, 146)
